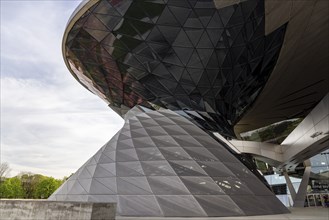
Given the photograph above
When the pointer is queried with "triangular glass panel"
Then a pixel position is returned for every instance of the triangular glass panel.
(239, 170)
(77, 189)
(167, 185)
(194, 35)
(155, 131)
(157, 168)
(200, 154)
(133, 186)
(214, 35)
(174, 129)
(205, 42)
(170, 85)
(105, 8)
(156, 36)
(179, 3)
(221, 55)
(226, 14)
(182, 40)
(146, 154)
(84, 174)
(205, 14)
(186, 141)
(232, 185)
(152, 8)
(94, 23)
(104, 159)
(193, 21)
(205, 91)
(146, 122)
(205, 55)
(201, 185)
(138, 205)
(125, 136)
(183, 54)
(70, 184)
(102, 172)
(91, 169)
(172, 58)
(180, 205)
(215, 22)
(179, 90)
(138, 133)
(129, 169)
(174, 153)
(85, 183)
(167, 18)
(163, 121)
(98, 188)
(126, 155)
(109, 183)
(131, 43)
(142, 28)
(195, 74)
(91, 161)
(143, 142)
(110, 167)
(221, 205)
(162, 71)
(212, 75)
(98, 35)
(180, 120)
(135, 11)
(176, 71)
(109, 21)
(216, 169)
(180, 13)
(125, 144)
(187, 168)
(121, 6)
(164, 141)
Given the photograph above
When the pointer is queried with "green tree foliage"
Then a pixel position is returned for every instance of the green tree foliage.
(28, 186)
(29, 183)
(11, 188)
(45, 187)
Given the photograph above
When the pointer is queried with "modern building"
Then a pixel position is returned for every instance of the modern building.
(192, 79)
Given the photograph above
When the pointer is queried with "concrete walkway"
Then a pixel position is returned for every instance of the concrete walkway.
(308, 213)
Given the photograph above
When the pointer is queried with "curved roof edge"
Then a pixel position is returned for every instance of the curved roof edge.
(77, 13)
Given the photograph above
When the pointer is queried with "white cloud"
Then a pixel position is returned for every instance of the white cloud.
(50, 124)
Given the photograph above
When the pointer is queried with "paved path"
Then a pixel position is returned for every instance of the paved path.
(308, 213)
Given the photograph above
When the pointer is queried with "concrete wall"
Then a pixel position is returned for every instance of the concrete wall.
(52, 210)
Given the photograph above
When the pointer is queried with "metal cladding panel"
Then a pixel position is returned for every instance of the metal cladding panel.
(180, 55)
(161, 164)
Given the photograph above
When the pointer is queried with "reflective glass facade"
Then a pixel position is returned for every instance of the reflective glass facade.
(319, 179)
(179, 55)
(175, 70)
(161, 164)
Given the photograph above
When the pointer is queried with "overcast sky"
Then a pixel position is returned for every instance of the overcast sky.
(50, 124)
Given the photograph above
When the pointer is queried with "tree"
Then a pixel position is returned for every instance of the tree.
(29, 183)
(11, 188)
(46, 187)
(4, 170)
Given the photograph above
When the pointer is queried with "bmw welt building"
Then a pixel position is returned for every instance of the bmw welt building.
(191, 78)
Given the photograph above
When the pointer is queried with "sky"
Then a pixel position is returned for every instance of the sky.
(50, 124)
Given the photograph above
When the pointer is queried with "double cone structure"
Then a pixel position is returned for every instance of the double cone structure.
(176, 70)
(161, 164)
